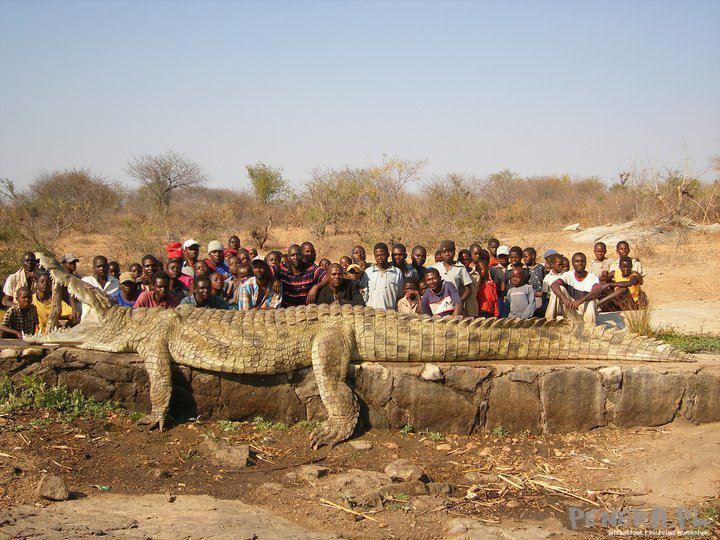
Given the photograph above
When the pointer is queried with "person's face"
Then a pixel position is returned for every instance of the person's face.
(43, 284)
(514, 258)
(174, 268)
(216, 256)
(517, 278)
(358, 253)
(243, 257)
(623, 250)
(432, 280)
(600, 252)
(465, 258)
(447, 255)
(578, 262)
(162, 286)
(217, 282)
(565, 264)
(493, 247)
(272, 259)
(202, 292)
(201, 268)
(484, 270)
(23, 300)
(100, 268)
(149, 267)
(233, 264)
(296, 258)
(411, 293)
(325, 263)
(528, 258)
(423, 286)
(625, 268)
(336, 275)
(29, 262)
(192, 252)
(259, 272)
(136, 270)
(114, 269)
(381, 256)
(234, 242)
(363, 265)
(70, 267)
(399, 256)
(345, 262)
(252, 252)
(308, 253)
(128, 288)
(557, 265)
(419, 256)
(503, 259)
(475, 254)
(244, 273)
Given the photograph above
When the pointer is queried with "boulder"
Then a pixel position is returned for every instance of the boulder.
(9, 354)
(92, 386)
(573, 400)
(355, 482)
(360, 445)
(466, 378)
(267, 396)
(403, 470)
(405, 488)
(52, 488)
(648, 398)
(431, 372)
(373, 383)
(514, 406)
(707, 398)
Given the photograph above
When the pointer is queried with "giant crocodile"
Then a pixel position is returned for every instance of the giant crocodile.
(326, 337)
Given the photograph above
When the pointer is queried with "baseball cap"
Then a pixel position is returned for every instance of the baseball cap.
(68, 258)
(215, 245)
(126, 276)
(189, 243)
(549, 252)
(503, 250)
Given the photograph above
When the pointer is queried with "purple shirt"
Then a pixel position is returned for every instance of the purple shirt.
(443, 303)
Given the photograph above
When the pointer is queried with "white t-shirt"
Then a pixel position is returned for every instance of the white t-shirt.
(579, 287)
(457, 274)
(111, 285)
(550, 278)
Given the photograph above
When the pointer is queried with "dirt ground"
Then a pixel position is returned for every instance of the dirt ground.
(126, 482)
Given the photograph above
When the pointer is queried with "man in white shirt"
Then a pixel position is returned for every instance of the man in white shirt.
(454, 271)
(576, 290)
(101, 278)
(25, 277)
(384, 281)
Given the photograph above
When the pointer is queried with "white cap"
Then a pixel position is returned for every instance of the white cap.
(503, 250)
(215, 245)
(189, 243)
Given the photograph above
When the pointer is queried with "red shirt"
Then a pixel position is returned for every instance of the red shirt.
(147, 299)
(487, 297)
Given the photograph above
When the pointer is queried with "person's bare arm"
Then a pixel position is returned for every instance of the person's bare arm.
(592, 295)
(465, 293)
(564, 300)
(312, 293)
(457, 310)
(7, 330)
(7, 301)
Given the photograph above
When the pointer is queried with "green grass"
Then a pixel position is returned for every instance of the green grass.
(407, 429)
(228, 426)
(433, 435)
(260, 424)
(691, 343)
(500, 431)
(31, 393)
(307, 425)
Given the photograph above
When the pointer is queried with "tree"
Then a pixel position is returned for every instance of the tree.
(163, 175)
(267, 182)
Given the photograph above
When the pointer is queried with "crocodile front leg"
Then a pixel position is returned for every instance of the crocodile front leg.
(330, 360)
(157, 364)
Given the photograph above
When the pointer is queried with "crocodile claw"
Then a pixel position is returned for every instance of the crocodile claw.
(152, 421)
(333, 431)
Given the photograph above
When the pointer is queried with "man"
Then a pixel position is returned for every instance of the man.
(576, 290)
(453, 271)
(300, 280)
(202, 297)
(419, 256)
(101, 277)
(338, 289)
(216, 258)
(234, 243)
(22, 317)
(42, 300)
(128, 293)
(308, 253)
(385, 281)
(149, 265)
(257, 291)
(25, 277)
(399, 257)
(159, 296)
(441, 297)
(192, 252)
(69, 262)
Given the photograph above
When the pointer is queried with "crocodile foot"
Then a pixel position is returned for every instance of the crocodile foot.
(152, 421)
(333, 431)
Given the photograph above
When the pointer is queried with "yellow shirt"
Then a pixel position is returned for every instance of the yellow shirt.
(44, 308)
(634, 290)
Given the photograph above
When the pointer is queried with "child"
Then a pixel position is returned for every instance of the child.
(410, 303)
(217, 280)
(536, 274)
(623, 250)
(201, 269)
(627, 284)
(487, 295)
(441, 297)
(601, 265)
(114, 269)
(565, 264)
(136, 270)
(438, 256)
(555, 261)
(422, 287)
(21, 317)
(520, 295)
(344, 261)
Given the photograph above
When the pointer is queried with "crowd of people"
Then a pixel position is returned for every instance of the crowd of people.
(495, 281)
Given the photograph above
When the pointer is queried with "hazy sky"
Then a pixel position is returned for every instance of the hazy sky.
(538, 87)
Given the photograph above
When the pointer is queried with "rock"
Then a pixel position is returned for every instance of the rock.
(360, 445)
(370, 499)
(391, 445)
(33, 351)
(612, 377)
(225, 454)
(52, 488)
(113, 372)
(512, 504)
(707, 399)
(247, 396)
(480, 478)
(466, 378)
(443, 447)
(159, 474)
(573, 227)
(403, 470)
(404, 488)
(648, 398)
(485, 452)
(440, 488)
(573, 400)
(431, 373)
(354, 482)
(8, 354)
(514, 406)
(94, 387)
(373, 383)
(312, 472)
(434, 407)
(523, 375)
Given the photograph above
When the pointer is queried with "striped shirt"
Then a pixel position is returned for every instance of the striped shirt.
(248, 297)
(296, 287)
(21, 320)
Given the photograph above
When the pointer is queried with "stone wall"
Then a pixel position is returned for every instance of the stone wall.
(539, 398)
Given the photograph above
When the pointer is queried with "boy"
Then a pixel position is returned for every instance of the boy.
(217, 282)
(627, 284)
(176, 287)
(623, 250)
(21, 317)
(492, 246)
(42, 300)
(555, 262)
(601, 264)
(565, 264)
(441, 297)
(410, 303)
(114, 269)
(136, 270)
(418, 256)
(487, 295)
(520, 295)
(536, 274)
(159, 295)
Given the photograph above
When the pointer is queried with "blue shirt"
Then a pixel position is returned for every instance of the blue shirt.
(120, 299)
